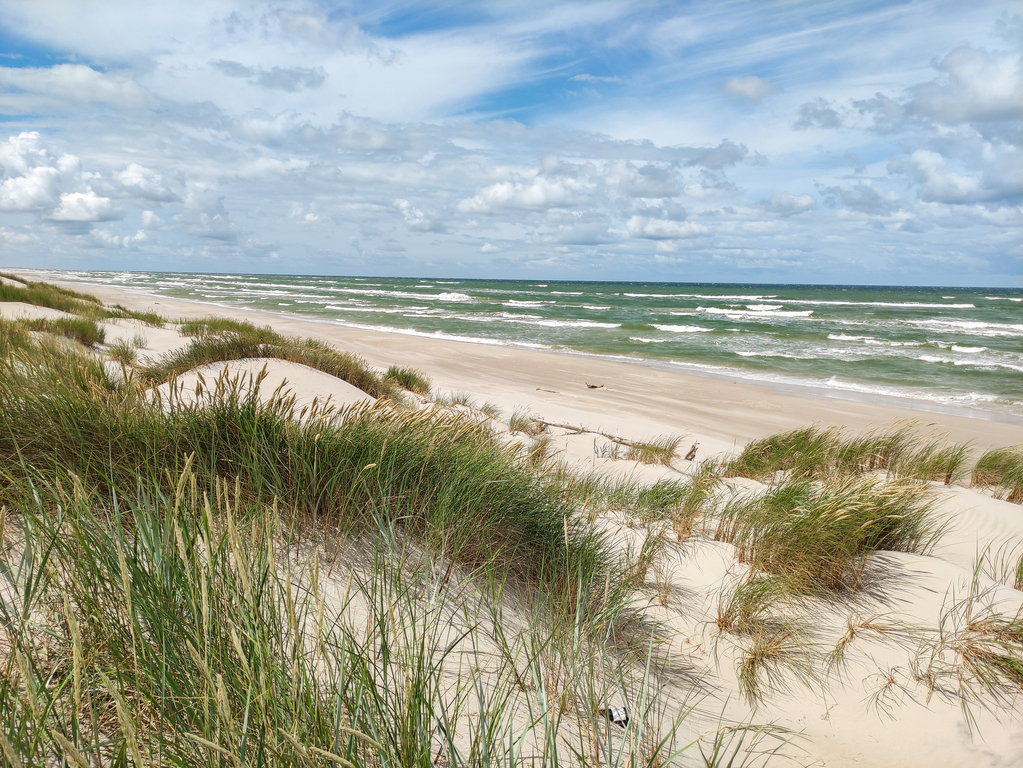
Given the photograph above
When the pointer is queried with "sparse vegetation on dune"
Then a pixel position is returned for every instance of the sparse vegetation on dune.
(247, 341)
(1002, 468)
(65, 300)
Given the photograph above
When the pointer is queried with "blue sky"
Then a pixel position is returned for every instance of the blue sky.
(787, 141)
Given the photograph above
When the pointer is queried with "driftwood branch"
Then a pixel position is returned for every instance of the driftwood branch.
(581, 430)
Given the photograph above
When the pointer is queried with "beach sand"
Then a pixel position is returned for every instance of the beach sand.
(879, 709)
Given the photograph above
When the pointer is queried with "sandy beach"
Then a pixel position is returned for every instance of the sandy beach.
(893, 700)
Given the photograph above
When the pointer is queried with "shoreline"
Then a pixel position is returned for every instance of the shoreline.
(648, 399)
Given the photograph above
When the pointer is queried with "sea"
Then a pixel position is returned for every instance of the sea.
(943, 348)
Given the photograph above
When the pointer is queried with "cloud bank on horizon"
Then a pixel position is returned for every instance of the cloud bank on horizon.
(872, 142)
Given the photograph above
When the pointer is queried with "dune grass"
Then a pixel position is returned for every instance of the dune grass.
(813, 452)
(410, 378)
(819, 535)
(86, 332)
(1002, 468)
(661, 450)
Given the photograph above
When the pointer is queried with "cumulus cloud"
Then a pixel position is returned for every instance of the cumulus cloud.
(415, 219)
(937, 183)
(539, 194)
(663, 229)
(145, 183)
(817, 113)
(785, 204)
(753, 89)
(973, 86)
(78, 83)
(81, 207)
(30, 175)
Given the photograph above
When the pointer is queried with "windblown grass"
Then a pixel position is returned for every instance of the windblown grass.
(1003, 469)
(122, 352)
(410, 378)
(818, 536)
(812, 452)
(443, 476)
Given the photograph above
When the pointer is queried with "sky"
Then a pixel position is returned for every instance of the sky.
(764, 142)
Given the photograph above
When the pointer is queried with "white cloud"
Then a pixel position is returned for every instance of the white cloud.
(489, 248)
(663, 229)
(415, 219)
(752, 88)
(85, 207)
(79, 83)
(975, 85)
(785, 204)
(538, 195)
(144, 183)
(937, 184)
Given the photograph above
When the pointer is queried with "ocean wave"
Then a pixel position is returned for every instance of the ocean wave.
(682, 328)
(514, 303)
(1003, 298)
(893, 304)
(873, 342)
(973, 327)
(740, 314)
(763, 307)
(648, 341)
(594, 307)
(567, 293)
(968, 350)
(726, 297)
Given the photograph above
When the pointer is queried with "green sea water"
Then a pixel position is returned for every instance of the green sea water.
(939, 346)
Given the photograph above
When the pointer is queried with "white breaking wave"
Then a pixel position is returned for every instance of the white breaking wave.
(908, 304)
(682, 328)
(763, 307)
(745, 313)
(514, 303)
(648, 341)
(973, 327)
(1003, 298)
(968, 350)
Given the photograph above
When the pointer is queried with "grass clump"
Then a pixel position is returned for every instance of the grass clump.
(85, 332)
(819, 535)
(661, 450)
(1003, 469)
(410, 379)
(522, 421)
(812, 452)
(801, 453)
(122, 352)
